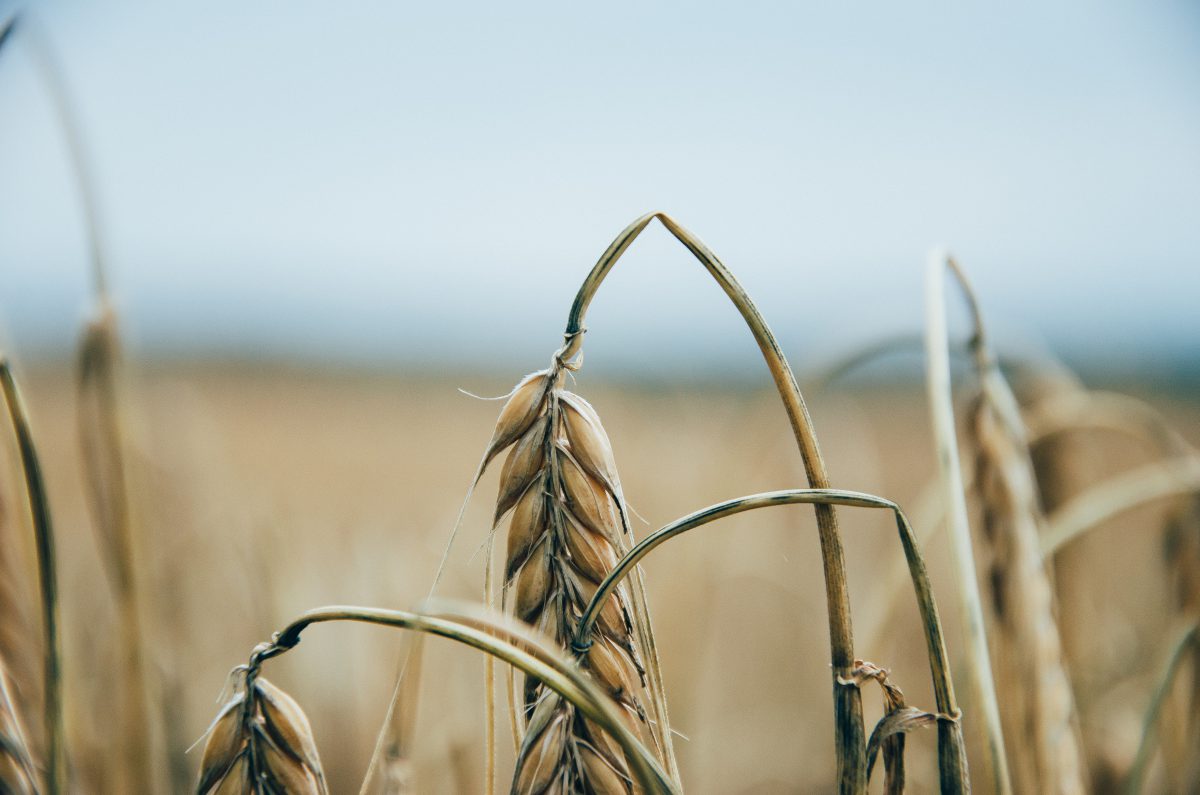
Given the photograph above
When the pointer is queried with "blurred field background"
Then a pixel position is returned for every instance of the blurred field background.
(266, 491)
(318, 227)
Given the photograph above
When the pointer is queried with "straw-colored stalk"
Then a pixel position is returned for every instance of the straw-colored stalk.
(1039, 717)
(39, 507)
(1186, 644)
(849, 739)
(20, 645)
(535, 656)
(952, 761)
(19, 651)
(941, 406)
(568, 525)
(107, 480)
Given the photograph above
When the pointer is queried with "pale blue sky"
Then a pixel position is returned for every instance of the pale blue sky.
(388, 182)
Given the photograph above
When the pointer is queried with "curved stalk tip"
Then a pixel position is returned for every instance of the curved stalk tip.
(850, 740)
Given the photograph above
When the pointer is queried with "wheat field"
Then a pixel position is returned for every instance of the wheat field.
(262, 492)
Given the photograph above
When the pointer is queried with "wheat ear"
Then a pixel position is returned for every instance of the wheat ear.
(567, 527)
(261, 742)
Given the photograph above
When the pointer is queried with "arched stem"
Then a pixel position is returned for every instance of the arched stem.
(849, 737)
(532, 657)
(952, 760)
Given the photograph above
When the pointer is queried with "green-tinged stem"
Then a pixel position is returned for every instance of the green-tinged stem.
(849, 737)
(941, 406)
(538, 661)
(1137, 773)
(56, 768)
(952, 761)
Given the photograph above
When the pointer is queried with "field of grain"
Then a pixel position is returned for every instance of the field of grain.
(263, 492)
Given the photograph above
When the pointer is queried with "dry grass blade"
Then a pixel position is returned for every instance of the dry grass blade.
(261, 743)
(888, 735)
(39, 506)
(941, 407)
(568, 525)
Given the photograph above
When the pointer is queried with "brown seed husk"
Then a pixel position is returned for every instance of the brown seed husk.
(518, 413)
(566, 530)
(261, 736)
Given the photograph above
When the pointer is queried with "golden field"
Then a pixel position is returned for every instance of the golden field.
(262, 492)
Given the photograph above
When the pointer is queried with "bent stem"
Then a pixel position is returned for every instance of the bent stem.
(941, 406)
(952, 761)
(1172, 478)
(533, 657)
(849, 737)
(56, 768)
(1137, 773)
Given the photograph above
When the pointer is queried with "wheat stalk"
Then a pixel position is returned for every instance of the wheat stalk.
(1188, 641)
(107, 480)
(952, 761)
(39, 507)
(535, 656)
(941, 407)
(1039, 713)
(849, 737)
